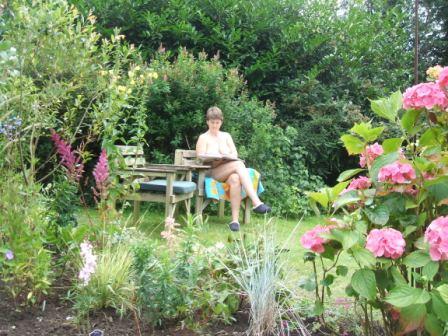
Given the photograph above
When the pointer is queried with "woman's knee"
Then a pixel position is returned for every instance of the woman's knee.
(234, 180)
(240, 167)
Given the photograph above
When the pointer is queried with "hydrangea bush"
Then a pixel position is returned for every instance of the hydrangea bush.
(390, 216)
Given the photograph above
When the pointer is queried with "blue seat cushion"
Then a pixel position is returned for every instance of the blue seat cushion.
(179, 187)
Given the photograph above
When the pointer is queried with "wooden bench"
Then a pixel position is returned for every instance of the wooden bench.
(164, 183)
(188, 158)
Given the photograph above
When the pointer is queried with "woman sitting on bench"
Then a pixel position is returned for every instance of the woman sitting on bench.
(218, 148)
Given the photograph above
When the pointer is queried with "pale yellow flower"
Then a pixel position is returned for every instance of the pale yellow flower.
(434, 72)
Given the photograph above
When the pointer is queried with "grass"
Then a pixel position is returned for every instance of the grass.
(216, 230)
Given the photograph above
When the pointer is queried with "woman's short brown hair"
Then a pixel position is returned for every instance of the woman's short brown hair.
(214, 113)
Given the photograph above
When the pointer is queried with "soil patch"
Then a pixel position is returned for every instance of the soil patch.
(55, 317)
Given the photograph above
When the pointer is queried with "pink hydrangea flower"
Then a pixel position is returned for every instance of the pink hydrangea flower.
(396, 173)
(424, 95)
(359, 183)
(313, 239)
(442, 80)
(370, 154)
(386, 242)
(427, 176)
(436, 235)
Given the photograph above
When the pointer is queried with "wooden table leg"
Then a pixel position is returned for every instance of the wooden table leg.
(169, 192)
(247, 210)
(136, 211)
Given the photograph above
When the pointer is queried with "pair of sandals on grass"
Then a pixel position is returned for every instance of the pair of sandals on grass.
(261, 209)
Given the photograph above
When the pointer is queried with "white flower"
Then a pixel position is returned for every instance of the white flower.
(89, 260)
(220, 245)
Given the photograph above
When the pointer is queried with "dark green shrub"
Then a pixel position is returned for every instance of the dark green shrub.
(176, 117)
(277, 44)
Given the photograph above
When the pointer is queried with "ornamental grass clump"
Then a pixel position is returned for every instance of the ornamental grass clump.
(393, 219)
(107, 280)
(259, 272)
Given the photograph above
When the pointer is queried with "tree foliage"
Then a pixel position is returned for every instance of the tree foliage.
(313, 59)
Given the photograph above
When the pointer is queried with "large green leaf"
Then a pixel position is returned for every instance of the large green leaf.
(387, 107)
(423, 164)
(364, 283)
(404, 295)
(319, 197)
(437, 188)
(412, 317)
(345, 175)
(391, 145)
(353, 144)
(378, 215)
(336, 190)
(347, 198)
(318, 308)
(396, 101)
(347, 238)
(363, 256)
(430, 270)
(439, 306)
(433, 326)
(431, 137)
(397, 276)
(443, 291)
(408, 119)
(380, 162)
(366, 131)
(417, 259)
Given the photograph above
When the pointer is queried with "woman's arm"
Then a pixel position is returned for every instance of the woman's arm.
(232, 147)
(201, 145)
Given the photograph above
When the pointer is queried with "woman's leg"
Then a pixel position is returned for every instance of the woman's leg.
(235, 195)
(223, 172)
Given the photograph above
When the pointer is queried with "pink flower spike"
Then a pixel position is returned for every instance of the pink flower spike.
(386, 242)
(313, 239)
(75, 168)
(101, 173)
(437, 236)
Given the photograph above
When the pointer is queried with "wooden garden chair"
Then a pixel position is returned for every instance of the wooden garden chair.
(184, 157)
(164, 183)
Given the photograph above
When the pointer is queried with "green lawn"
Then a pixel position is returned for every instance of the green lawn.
(288, 233)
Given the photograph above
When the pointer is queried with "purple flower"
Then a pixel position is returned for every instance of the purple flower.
(9, 255)
(73, 163)
(10, 128)
(101, 174)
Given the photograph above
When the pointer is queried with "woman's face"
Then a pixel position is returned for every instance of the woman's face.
(214, 124)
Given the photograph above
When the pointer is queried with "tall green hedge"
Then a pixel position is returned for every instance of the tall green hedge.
(313, 59)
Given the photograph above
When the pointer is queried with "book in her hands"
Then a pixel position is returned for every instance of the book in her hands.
(218, 157)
